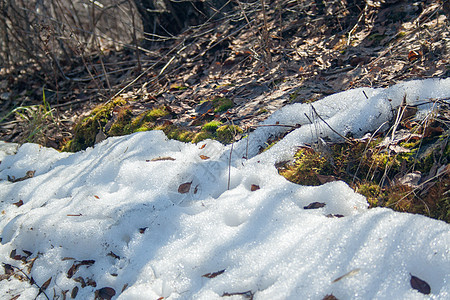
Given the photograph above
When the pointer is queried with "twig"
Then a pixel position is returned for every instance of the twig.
(31, 280)
(229, 166)
(346, 139)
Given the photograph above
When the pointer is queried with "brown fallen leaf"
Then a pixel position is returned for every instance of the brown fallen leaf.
(420, 285)
(8, 269)
(184, 187)
(46, 284)
(314, 205)
(97, 197)
(254, 187)
(74, 292)
(81, 281)
(142, 230)
(204, 157)
(105, 293)
(325, 178)
(212, 275)
(18, 203)
(202, 146)
(330, 297)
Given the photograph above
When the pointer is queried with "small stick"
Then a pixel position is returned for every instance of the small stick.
(346, 139)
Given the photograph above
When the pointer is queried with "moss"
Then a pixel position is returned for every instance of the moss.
(211, 126)
(227, 133)
(155, 114)
(176, 133)
(372, 172)
(86, 130)
(222, 104)
(122, 124)
(203, 135)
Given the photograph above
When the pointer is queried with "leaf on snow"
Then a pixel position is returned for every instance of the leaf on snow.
(314, 205)
(184, 187)
(18, 203)
(8, 269)
(46, 284)
(420, 285)
(254, 187)
(204, 157)
(330, 297)
(212, 275)
(74, 292)
(105, 293)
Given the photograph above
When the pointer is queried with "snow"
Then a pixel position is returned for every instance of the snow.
(119, 204)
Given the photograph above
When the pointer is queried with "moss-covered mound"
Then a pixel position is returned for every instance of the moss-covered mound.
(117, 118)
(411, 174)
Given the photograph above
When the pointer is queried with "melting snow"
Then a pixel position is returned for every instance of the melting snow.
(115, 205)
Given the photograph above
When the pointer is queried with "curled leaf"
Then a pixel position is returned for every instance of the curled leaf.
(214, 274)
(184, 187)
(204, 157)
(19, 203)
(254, 187)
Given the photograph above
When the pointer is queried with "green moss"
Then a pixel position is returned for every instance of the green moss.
(227, 133)
(211, 126)
(86, 130)
(203, 135)
(222, 104)
(155, 114)
(176, 133)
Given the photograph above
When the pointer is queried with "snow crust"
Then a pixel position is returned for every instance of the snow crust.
(115, 204)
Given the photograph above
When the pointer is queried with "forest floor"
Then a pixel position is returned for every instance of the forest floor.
(297, 53)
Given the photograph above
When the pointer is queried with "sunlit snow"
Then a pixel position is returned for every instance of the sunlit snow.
(121, 205)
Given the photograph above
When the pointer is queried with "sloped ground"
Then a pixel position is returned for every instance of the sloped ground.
(300, 52)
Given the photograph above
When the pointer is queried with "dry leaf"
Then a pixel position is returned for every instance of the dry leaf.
(330, 297)
(420, 285)
(19, 203)
(8, 269)
(112, 254)
(212, 275)
(414, 55)
(46, 284)
(142, 230)
(202, 146)
(105, 293)
(74, 292)
(314, 205)
(351, 273)
(204, 157)
(81, 281)
(184, 187)
(325, 178)
(74, 215)
(96, 196)
(254, 187)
